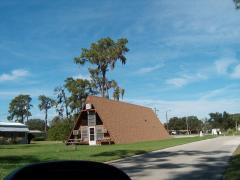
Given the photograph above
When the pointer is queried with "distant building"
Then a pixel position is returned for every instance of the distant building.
(37, 135)
(13, 133)
(216, 131)
(106, 121)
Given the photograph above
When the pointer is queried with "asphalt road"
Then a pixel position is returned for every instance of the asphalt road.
(199, 160)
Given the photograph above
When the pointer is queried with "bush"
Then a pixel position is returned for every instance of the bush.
(60, 130)
(230, 132)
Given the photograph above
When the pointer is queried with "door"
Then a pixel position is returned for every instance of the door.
(92, 135)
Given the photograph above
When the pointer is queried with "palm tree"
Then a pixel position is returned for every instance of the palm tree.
(45, 104)
(122, 91)
(116, 93)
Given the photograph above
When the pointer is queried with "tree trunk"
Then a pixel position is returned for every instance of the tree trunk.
(107, 93)
(236, 126)
(102, 90)
(104, 83)
(66, 107)
(65, 102)
(22, 118)
(46, 114)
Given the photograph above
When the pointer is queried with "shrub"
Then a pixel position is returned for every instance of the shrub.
(230, 132)
(59, 131)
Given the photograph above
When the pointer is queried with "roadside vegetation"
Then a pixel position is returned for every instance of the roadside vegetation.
(229, 124)
(15, 156)
(233, 171)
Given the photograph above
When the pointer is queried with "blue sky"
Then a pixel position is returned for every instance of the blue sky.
(184, 55)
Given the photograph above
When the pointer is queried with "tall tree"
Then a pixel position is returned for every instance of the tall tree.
(180, 123)
(36, 124)
(122, 92)
(62, 101)
(104, 54)
(195, 125)
(216, 120)
(176, 123)
(79, 90)
(19, 108)
(117, 91)
(96, 80)
(45, 103)
(223, 120)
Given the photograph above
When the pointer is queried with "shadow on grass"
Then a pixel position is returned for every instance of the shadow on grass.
(10, 163)
(15, 146)
(18, 159)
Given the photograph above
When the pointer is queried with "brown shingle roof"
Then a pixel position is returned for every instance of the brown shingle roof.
(128, 123)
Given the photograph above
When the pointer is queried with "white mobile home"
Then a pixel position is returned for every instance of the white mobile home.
(13, 133)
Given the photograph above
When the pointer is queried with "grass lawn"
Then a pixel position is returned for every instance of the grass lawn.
(14, 156)
(233, 171)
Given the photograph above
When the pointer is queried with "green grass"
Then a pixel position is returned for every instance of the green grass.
(14, 156)
(233, 171)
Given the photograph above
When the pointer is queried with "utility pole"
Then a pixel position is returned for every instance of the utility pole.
(187, 125)
(155, 110)
(236, 125)
(167, 117)
(27, 108)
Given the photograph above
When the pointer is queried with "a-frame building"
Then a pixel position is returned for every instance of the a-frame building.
(108, 121)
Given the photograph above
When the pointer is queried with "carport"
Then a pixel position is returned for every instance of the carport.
(13, 133)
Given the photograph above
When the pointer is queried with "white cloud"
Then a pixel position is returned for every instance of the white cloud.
(178, 82)
(15, 74)
(146, 70)
(227, 66)
(223, 65)
(230, 91)
(185, 79)
(236, 72)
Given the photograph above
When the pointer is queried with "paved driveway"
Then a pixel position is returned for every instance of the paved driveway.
(199, 160)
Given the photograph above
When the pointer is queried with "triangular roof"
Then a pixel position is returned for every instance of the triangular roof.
(127, 122)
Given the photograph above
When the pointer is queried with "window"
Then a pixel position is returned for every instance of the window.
(91, 118)
(84, 134)
(100, 132)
